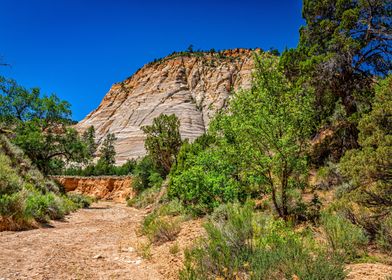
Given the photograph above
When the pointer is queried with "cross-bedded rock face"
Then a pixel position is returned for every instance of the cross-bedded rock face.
(193, 87)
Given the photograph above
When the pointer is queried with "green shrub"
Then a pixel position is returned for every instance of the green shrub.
(43, 207)
(144, 250)
(146, 175)
(205, 181)
(26, 196)
(145, 198)
(174, 249)
(241, 244)
(160, 229)
(81, 200)
(172, 208)
(344, 238)
(10, 182)
(11, 204)
(384, 235)
(101, 169)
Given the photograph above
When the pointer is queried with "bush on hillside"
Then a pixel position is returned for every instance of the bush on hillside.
(345, 239)
(26, 196)
(144, 198)
(243, 244)
(160, 229)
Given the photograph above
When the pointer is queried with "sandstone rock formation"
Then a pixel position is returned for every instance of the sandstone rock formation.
(117, 189)
(192, 86)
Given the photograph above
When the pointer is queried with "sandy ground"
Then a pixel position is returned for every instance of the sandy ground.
(92, 243)
(369, 271)
(102, 242)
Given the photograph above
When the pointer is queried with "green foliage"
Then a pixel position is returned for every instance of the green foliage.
(204, 181)
(144, 198)
(259, 146)
(26, 196)
(39, 125)
(107, 151)
(344, 238)
(12, 205)
(243, 244)
(89, 138)
(43, 207)
(384, 235)
(146, 175)
(102, 169)
(270, 125)
(81, 200)
(163, 224)
(163, 141)
(160, 229)
(9, 179)
(342, 46)
(369, 167)
(50, 150)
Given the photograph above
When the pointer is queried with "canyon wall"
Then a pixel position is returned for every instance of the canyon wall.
(192, 86)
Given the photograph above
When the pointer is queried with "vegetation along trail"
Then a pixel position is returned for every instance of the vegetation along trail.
(94, 243)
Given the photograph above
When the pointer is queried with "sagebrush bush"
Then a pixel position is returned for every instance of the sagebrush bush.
(345, 239)
(11, 205)
(160, 229)
(145, 198)
(43, 207)
(81, 200)
(172, 207)
(10, 182)
(242, 244)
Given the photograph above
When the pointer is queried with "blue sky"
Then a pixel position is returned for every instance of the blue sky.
(79, 48)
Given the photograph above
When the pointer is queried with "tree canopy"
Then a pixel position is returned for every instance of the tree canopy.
(163, 141)
(40, 125)
(342, 46)
(370, 166)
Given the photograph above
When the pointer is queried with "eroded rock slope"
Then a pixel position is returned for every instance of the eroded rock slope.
(193, 86)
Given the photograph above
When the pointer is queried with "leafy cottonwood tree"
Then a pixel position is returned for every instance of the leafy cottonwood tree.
(163, 141)
(40, 126)
(257, 145)
(270, 126)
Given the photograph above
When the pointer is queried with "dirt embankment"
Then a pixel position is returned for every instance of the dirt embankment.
(106, 188)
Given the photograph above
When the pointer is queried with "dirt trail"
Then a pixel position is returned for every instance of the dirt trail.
(101, 243)
(95, 243)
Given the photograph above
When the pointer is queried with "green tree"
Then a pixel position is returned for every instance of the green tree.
(89, 138)
(52, 149)
(257, 147)
(370, 166)
(107, 150)
(190, 48)
(163, 141)
(342, 46)
(40, 126)
(269, 126)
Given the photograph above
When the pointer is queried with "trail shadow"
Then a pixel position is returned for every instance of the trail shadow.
(47, 225)
(97, 208)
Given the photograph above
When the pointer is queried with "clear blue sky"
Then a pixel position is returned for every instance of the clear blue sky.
(79, 48)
